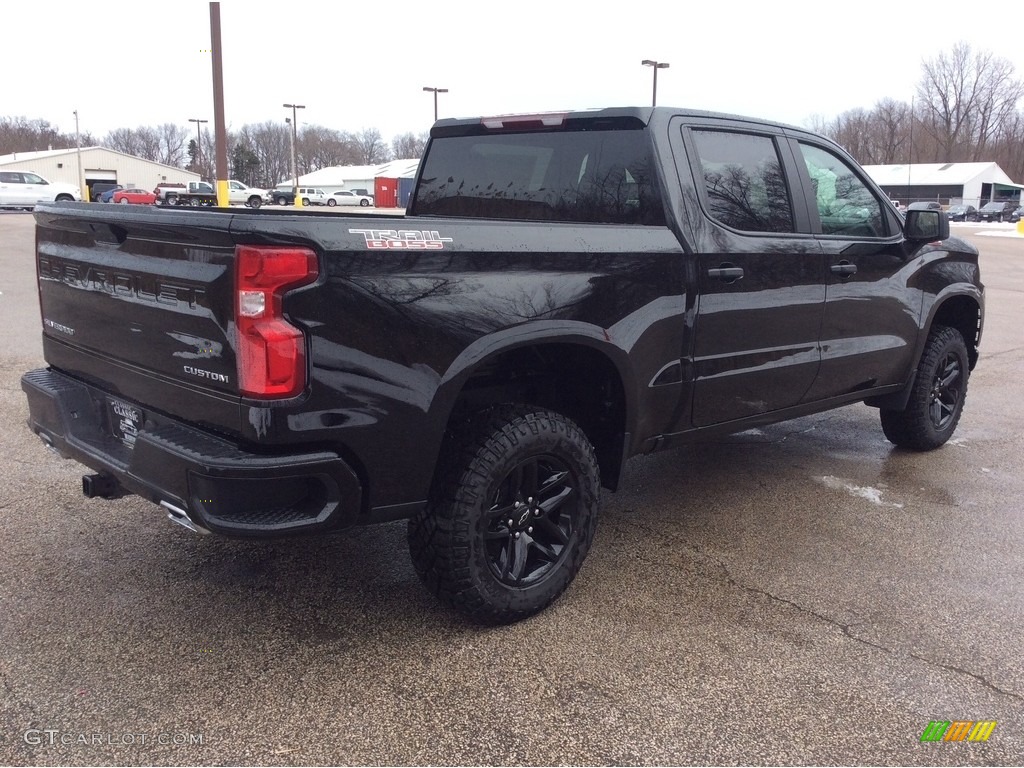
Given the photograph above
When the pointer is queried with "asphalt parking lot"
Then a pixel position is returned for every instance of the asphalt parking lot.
(799, 594)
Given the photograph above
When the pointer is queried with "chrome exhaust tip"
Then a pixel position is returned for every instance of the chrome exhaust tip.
(180, 516)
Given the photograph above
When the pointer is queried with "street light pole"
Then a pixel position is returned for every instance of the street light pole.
(435, 92)
(296, 201)
(78, 146)
(656, 65)
(199, 143)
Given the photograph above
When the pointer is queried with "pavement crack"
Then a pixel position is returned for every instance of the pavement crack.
(1002, 352)
(845, 629)
(960, 670)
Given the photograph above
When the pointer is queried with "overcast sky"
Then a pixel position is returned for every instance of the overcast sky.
(363, 63)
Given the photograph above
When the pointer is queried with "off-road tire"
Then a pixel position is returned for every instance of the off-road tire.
(511, 515)
(937, 397)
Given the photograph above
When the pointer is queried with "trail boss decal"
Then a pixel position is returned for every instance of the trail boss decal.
(402, 239)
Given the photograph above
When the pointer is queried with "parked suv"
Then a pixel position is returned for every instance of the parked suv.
(962, 213)
(309, 195)
(997, 210)
(23, 189)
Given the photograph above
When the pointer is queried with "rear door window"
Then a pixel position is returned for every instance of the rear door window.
(744, 183)
(600, 176)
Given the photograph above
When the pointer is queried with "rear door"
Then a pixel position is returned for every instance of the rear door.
(12, 189)
(37, 189)
(871, 320)
(760, 273)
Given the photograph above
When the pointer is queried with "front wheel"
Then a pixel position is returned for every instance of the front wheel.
(511, 516)
(364, 203)
(255, 202)
(331, 202)
(123, 201)
(937, 397)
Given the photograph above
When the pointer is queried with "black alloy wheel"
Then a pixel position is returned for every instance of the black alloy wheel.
(531, 521)
(511, 516)
(937, 396)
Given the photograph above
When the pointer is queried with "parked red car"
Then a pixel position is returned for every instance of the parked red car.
(138, 196)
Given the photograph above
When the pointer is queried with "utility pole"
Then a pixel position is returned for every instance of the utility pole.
(220, 130)
(199, 143)
(297, 202)
(81, 179)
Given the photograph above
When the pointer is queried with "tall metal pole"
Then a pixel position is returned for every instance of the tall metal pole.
(435, 91)
(199, 143)
(295, 176)
(78, 146)
(656, 65)
(297, 202)
(220, 130)
(910, 152)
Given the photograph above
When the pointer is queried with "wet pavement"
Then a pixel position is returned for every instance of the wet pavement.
(799, 594)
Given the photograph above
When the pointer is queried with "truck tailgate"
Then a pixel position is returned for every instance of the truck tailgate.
(141, 302)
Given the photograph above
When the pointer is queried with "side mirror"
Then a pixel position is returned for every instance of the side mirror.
(926, 222)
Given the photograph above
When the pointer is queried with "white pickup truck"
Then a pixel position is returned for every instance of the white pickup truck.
(240, 194)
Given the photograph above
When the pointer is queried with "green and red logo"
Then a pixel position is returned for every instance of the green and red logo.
(958, 730)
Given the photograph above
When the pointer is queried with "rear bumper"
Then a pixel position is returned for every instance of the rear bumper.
(219, 486)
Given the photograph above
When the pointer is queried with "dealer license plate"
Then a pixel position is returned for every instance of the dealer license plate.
(125, 421)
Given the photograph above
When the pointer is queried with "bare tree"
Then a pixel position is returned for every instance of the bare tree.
(172, 142)
(408, 145)
(270, 142)
(371, 147)
(964, 97)
(20, 134)
(321, 147)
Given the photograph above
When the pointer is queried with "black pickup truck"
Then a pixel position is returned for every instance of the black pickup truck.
(567, 291)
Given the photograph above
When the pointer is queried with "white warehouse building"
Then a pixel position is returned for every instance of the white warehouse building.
(946, 183)
(99, 165)
(354, 177)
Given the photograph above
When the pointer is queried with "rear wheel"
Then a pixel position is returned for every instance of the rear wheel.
(938, 394)
(305, 201)
(512, 514)
(281, 200)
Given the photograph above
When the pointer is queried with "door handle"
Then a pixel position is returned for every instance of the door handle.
(727, 273)
(844, 268)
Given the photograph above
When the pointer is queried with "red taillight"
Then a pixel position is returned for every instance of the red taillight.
(271, 351)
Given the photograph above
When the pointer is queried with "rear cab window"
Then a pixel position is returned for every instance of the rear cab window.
(585, 176)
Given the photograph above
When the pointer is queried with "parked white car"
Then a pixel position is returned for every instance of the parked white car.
(23, 189)
(344, 197)
(240, 194)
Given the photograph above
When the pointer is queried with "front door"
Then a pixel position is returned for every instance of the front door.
(871, 321)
